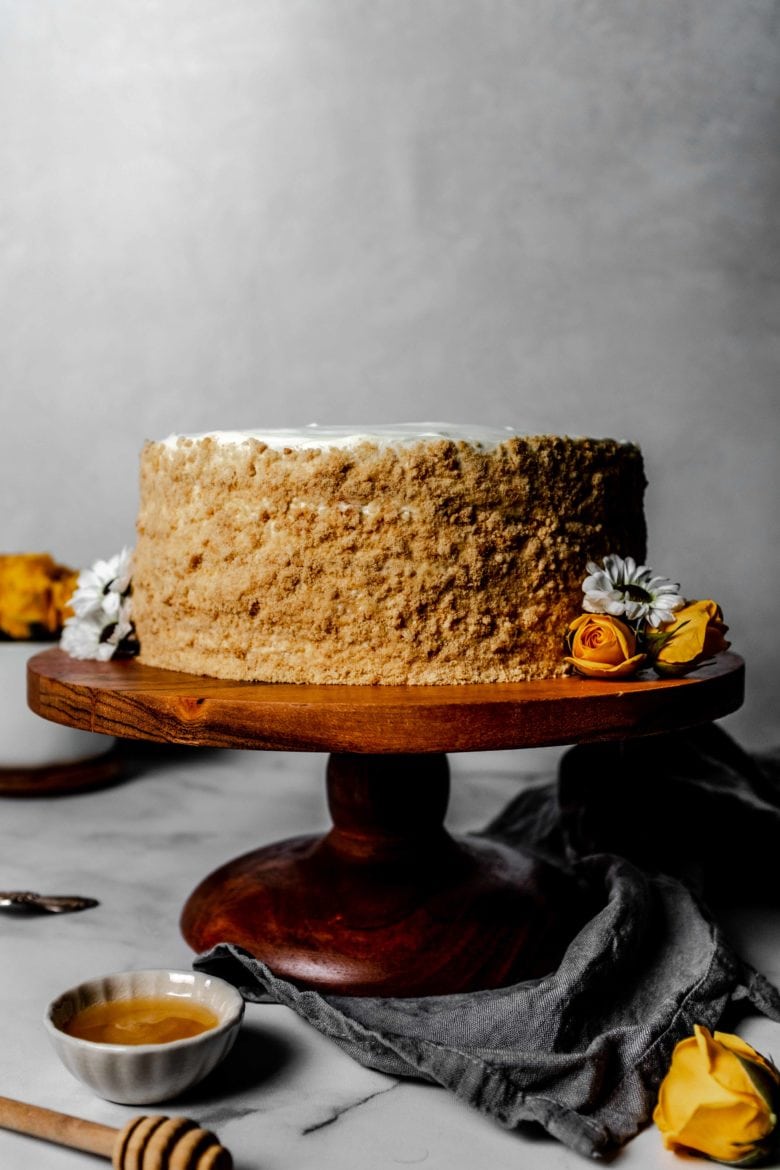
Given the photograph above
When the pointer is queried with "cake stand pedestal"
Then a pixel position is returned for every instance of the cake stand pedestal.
(387, 902)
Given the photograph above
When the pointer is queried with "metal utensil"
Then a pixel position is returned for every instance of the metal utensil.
(47, 903)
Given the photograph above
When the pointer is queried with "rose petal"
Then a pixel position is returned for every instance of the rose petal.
(604, 670)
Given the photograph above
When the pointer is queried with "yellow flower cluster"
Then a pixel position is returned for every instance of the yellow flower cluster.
(34, 595)
(719, 1098)
(602, 646)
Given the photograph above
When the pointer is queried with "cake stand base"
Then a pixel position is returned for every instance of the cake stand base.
(387, 902)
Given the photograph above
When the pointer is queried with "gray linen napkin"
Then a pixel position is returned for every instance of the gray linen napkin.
(582, 1051)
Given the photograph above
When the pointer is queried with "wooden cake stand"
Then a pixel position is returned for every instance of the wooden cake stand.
(387, 902)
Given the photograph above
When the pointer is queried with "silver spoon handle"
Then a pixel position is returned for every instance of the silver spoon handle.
(53, 903)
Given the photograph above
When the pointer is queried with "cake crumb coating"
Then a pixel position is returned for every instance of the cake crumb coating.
(437, 562)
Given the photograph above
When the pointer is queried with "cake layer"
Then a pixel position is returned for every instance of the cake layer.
(408, 554)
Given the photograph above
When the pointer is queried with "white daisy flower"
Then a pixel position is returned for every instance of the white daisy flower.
(81, 639)
(122, 566)
(100, 587)
(622, 588)
(102, 619)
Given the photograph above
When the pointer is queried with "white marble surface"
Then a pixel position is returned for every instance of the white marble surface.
(286, 1098)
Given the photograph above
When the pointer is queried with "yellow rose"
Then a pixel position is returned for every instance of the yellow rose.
(696, 633)
(718, 1099)
(602, 647)
(34, 594)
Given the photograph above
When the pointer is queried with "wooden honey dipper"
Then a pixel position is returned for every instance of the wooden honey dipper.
(145, 1143)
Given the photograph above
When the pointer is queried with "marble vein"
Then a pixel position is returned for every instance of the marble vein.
(339, 1112)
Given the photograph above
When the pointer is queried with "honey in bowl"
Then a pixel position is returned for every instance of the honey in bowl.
(144, 1020)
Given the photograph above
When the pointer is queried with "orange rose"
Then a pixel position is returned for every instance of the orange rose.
(719, 1098)
(34, 594)
(697, 632)
(601, 646)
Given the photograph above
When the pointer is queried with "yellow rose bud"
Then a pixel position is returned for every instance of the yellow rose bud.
(602, 647)
(34, 594)
(697, 632)
(718, 1099)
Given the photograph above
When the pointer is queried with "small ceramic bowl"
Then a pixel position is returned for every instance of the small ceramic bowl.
(140, 1074)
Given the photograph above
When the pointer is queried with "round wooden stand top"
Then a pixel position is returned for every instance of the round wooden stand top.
(132, 701)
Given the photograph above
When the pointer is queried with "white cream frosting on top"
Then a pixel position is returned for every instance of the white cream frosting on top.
(347, 437)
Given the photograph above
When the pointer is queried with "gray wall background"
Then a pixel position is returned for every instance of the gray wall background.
(557, 214)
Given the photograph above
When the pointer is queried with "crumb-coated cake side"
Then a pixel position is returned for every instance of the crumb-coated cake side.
(425, 558)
